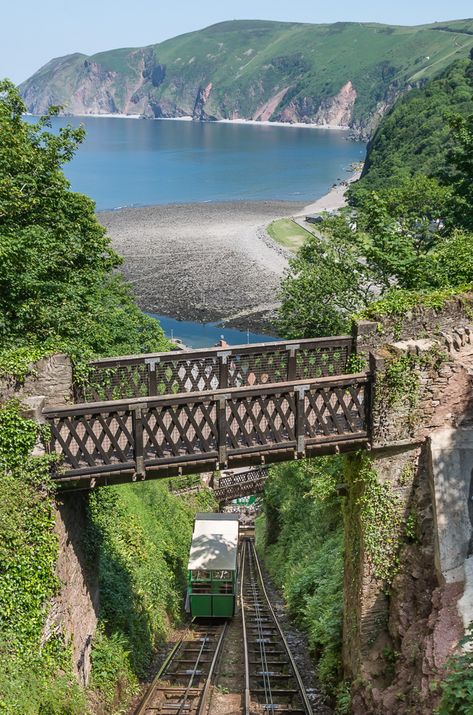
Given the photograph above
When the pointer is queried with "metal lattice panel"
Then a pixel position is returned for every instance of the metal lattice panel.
(260, 420)
(94, 439)
(213, 369)
(257, 368)
(195, 375)
(321, 362)
(120, 382)
(334, 411)
(180, 430)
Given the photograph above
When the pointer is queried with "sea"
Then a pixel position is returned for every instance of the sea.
(138, 162)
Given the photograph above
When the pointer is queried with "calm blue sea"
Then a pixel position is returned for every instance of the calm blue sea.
(132, 162)
(205, 335)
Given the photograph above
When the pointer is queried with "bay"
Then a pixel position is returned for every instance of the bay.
(132, 162)
(206, 335)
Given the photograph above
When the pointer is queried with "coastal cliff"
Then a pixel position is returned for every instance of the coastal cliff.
(341, 75)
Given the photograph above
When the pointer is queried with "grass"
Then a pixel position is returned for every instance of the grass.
(249, 62)
(288, 233)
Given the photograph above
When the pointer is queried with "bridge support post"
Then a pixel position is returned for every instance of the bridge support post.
(223, 368)
(299, 393)
(292, 362)
(138, 446)
(222, 430)
(152, 381)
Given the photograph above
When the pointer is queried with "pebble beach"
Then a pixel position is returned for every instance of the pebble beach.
(208, 261)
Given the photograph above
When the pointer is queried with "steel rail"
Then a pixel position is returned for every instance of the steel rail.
(245, 637)
(257, 588)
(186, 694)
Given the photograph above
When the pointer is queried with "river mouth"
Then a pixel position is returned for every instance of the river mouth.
(205, 335)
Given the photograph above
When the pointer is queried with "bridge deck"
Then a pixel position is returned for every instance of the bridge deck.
(113, 441)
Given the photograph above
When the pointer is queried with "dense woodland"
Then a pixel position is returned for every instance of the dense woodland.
(406, 238)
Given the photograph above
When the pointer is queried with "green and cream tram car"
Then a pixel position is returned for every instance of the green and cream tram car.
(212, 570)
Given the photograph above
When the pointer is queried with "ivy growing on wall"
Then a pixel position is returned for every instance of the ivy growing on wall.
(32, 660)
(381, 519)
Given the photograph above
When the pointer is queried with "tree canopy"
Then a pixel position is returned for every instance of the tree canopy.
(413, 233)
(58, 279)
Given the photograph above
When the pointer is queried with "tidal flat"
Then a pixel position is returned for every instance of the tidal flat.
(205, 261)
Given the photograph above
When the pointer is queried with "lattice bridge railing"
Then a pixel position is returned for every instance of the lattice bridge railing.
(109, 442)
(215, 368)
(240, 484)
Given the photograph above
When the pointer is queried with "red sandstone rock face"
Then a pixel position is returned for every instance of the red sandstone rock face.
(400, 669)
(337, 111)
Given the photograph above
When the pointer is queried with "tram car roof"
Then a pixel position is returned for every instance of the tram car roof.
(214, 542)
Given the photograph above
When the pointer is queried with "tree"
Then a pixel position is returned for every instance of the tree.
(58, 279)
(398, 228)
(461, 158)
(325, 284)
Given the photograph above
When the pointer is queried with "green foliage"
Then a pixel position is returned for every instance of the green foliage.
(415, 137)
(140, 536)
(58, 266)
(399, 230)
(324, 286)
(400, 302)
(30, 679)
(32, 685)
(457, 687)
(461, 161)
(305, 557)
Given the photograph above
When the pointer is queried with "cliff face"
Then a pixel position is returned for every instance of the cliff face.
(344, 74)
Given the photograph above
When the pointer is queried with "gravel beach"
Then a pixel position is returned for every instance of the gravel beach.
(202, 262)
(211, 261)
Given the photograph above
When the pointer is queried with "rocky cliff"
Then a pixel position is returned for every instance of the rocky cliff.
(344, 75)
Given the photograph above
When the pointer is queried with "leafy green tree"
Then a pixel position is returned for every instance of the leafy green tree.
(325, 284)
(461, 159)
(58, 279)
(399, 227)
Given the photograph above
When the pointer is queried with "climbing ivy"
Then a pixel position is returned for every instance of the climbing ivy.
(457, 687)
(381, 518)
(32, 659)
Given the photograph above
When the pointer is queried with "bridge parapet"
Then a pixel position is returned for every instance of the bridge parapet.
(215, 368)
(109, 442)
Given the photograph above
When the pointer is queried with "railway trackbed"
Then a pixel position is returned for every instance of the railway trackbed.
(182, 686)
(272, 681)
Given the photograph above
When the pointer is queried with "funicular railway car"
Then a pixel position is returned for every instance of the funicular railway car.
(212, 570)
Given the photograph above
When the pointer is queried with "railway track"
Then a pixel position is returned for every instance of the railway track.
(272, 681)
(182, 685)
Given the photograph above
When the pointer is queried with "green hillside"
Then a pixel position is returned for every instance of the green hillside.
(415, 136)
(256, 69)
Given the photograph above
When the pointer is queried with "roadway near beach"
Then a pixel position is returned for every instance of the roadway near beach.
(207, 261)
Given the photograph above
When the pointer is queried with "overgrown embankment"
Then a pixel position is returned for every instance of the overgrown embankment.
(139, 536)
(136, 540)
(300, 537)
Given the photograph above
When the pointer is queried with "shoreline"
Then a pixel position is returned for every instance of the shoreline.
(243, 122)
(209, 262)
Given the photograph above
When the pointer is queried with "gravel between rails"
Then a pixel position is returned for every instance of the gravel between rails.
(201, 261)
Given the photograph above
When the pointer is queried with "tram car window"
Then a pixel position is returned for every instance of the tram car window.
(212, 569)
